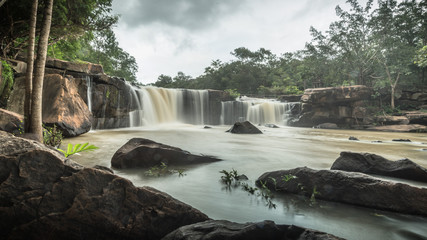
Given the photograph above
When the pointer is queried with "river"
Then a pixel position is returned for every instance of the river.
(252, 155)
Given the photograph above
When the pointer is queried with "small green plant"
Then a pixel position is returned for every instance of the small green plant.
(77, 148)
(249, 189)
(229, 177)
(288, 177)
(313, 195)
(162, 170)
(233, 93)
(52, 136)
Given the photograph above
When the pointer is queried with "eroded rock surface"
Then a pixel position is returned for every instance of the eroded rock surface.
(225, 230)
(349, 187)
(46, 196)
(244, 128)
(378, 165)
(141, 152)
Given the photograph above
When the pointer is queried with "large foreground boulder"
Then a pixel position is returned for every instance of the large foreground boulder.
(46, 196)
(225, 230)
(348, 187)
(378, 165)
(244, 128)
(141, 152)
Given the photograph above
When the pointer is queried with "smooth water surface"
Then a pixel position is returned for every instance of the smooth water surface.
(252, 155)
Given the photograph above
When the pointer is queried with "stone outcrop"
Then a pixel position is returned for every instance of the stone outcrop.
(374, 164)
(400, 128)
(62, 104)
(225, 230)
(11, 122)
(46, 196)
(244, 128)
(349, 187)
(344, 106)
(140, 152)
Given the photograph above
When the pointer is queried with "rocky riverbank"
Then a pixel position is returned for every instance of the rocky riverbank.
(353, 107)
(44, 195)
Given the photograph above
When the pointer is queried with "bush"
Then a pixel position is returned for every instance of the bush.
(6, 82)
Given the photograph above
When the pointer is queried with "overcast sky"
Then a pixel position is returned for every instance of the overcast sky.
(167, 36)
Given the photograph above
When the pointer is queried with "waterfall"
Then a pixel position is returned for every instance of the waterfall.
(255, 110)
(160, 105)
(89, 91)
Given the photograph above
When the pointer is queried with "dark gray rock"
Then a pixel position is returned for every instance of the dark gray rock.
(349, 187)
(271, 125)
(378, 165)
(46, 196)
(401, 140)
(140, 152)
(244, 128)
(353, 138)
(225, 230)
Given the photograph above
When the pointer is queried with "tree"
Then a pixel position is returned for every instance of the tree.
(37, 93)
(395, 55)
(30, 66)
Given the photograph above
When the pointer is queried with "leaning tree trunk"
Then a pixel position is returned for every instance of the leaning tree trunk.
(30, 66)
(37, 95)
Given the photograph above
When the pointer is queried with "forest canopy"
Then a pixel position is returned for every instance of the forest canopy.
(80, 31)
(379, 44)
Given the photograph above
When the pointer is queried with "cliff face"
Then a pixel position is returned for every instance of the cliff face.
(339, 105)
(80, 96)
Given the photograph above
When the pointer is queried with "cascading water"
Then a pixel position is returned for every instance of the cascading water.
(255, 110)
(89, 91)
(161, 105)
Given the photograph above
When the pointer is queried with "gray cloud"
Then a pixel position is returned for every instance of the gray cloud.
(186, 14)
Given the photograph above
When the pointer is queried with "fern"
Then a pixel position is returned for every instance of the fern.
(77, 148)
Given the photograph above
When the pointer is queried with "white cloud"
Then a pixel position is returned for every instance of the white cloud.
(167, 36)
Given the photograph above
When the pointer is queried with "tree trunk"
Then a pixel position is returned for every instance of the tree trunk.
(30, 66)
(2, 2)
(37, 95)
(393, 89)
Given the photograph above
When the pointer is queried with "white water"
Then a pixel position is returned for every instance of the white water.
(89, 91)
(161, 105)
(255, 110)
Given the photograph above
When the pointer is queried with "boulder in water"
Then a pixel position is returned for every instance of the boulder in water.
(327, 126)
(244, 128)
(225, 230)
(378, 165)
(141, 152)
(46, 196)
(271, 125)
(349, 187)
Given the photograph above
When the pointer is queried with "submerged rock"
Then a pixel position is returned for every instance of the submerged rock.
(353, 138)
(378, 165)
(225, 230)
(244, 128)
(141, 152)
(46, 196)
(349, 187)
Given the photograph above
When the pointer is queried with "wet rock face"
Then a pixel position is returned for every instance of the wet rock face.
(140, 152)
(375, 164)
(341, 105)
(45, 196)
(351, 188)
(225, 230)
(244, 128)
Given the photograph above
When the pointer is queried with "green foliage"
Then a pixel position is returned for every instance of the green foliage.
(421, 57)
(162, 170)
(77, 148)
(232, 178)
(233, 93)
(52, 136)
(6, 82)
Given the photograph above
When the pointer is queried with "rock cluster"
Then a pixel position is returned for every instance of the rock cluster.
(349, 185)
(45, 196)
